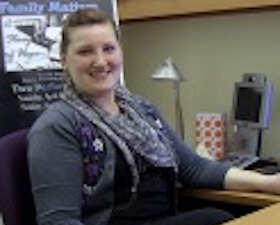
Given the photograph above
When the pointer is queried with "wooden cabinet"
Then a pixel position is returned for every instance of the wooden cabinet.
(144, 9)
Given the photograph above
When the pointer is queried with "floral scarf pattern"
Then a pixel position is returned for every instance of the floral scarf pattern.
(134, 131)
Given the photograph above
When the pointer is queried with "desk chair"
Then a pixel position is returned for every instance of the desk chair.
(16, 202)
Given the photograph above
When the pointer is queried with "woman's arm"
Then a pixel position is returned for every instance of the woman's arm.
(55, 165)
(194, 171)
(246, 180)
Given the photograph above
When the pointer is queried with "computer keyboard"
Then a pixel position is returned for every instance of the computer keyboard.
(243, 161)
(269, 169)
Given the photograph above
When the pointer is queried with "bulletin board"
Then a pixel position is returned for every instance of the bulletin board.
(30, 70)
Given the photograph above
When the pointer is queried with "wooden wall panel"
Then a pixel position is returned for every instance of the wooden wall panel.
(144, 9)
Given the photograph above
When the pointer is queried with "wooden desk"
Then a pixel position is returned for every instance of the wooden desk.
(270, 204)
(234, 197)
(270, 215)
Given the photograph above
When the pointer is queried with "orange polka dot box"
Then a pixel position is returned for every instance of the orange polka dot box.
(210, 131)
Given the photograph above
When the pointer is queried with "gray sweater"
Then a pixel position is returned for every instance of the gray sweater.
(56, 169)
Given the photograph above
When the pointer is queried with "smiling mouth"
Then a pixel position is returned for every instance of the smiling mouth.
(100, 74)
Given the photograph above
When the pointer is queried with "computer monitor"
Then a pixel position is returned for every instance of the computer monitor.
(252, 104)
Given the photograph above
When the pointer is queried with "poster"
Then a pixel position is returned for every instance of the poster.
(30, 71)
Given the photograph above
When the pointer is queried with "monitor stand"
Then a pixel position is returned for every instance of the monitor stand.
(247, 141)
(245, 149)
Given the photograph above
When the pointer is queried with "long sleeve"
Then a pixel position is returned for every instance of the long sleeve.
(194, 171)
(55, 165)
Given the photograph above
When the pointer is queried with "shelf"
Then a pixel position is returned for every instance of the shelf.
(234, 197)
(147, 9)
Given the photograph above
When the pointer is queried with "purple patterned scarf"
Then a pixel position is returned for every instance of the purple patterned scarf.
(132, 130)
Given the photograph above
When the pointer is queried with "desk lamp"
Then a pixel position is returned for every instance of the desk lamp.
(169, 71)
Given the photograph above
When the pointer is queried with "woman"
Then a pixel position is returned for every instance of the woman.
(102, 155)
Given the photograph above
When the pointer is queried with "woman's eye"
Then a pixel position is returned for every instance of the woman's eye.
(109, 48)
(84, 51)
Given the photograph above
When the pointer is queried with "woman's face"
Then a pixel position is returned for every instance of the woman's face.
(93, 59)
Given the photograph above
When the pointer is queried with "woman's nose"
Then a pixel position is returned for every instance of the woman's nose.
(100, 59)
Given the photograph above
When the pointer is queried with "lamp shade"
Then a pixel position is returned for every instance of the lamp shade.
(167, 71)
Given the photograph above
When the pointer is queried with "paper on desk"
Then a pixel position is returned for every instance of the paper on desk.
(211, 132)
(1, 219)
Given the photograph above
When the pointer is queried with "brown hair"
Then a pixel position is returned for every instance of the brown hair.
(80, 18)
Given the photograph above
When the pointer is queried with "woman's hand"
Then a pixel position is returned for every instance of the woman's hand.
(273, 184)
(246, 180)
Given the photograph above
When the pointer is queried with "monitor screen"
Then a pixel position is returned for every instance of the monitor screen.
(251, 104)
(248, 104)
